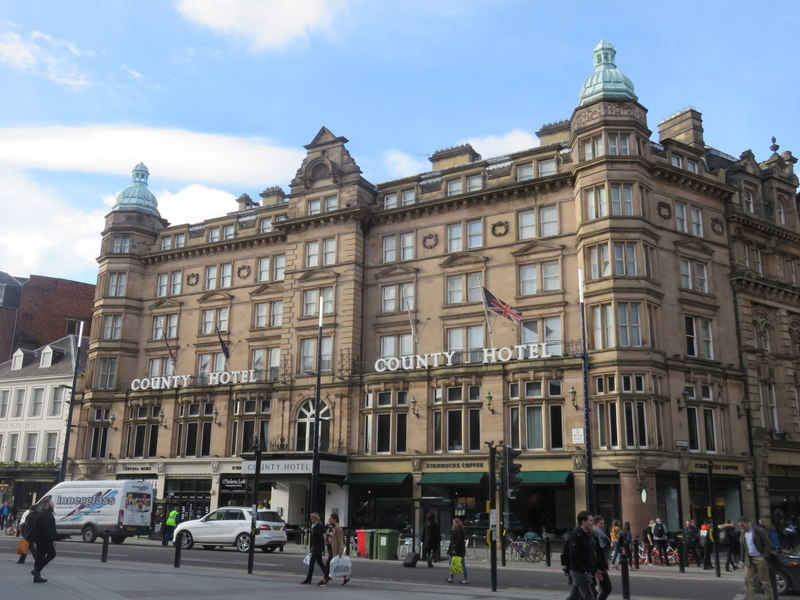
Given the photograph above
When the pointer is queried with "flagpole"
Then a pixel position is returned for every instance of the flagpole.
(414, 336)
(486, 315)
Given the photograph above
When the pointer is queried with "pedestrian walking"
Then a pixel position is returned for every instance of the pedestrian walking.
(756, 554)
(729, 539)
(431, 539)
(602, 551)
(169, 526)
(335, 538)
(690, 542)
(458, 551)
(316, 547)
(616, 527)
(647, 541)
(578, 558)
(660, 540)
(26, 528)
(5, 513)
(43, 533)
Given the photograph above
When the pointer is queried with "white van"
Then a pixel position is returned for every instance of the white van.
(87, 508)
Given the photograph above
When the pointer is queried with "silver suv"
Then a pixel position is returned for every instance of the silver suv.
(230, 526)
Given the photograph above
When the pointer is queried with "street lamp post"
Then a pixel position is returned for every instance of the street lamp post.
(312, 495)
(254, 517)
(587, 429)
(76, 357)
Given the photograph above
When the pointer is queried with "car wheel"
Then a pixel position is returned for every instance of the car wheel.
(243, 542)
(268, 548)
(782, 583)
(117, 539)
(88, 534)
(186, 540)
(207, 547)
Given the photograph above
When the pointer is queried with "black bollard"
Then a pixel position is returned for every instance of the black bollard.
(626, 581)
(636, 553)
(104, 554)
(681, 557)
(178, 544)
(547, 550)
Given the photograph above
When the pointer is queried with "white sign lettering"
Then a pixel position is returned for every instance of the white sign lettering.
(294, 467)
(176, 381)
(446, 359)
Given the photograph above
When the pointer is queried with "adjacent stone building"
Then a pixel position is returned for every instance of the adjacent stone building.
(206, 334)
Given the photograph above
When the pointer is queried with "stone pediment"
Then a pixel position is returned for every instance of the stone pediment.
(165, 303)
(695, 244)
(464, 258)
(395, 270)
(267, 288)
(318, 273)
(216, 296)
(537, 246)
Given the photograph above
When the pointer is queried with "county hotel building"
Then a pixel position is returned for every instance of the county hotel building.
(692, 328)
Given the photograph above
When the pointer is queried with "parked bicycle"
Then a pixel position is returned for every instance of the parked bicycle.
(524, 549)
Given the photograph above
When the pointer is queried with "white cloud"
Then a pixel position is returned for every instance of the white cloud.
(194, 203)
(43, 56)
(266, 24)
(401, 164)
(498, 145)
(170, 154)
(43, 234)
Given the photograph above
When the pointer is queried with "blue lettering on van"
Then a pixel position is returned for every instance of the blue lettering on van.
(86, 505)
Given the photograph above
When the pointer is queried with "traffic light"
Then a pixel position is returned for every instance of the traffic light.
(511, 471)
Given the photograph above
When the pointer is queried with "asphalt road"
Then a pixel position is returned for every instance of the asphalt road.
(649, 582)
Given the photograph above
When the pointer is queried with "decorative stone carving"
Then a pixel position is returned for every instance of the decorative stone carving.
(664, 210)
(716, 226)
(577, 461)
(243, 272)
(430, 241)
(160, 467)
(416, 465)
(500, 228)
(192, 279)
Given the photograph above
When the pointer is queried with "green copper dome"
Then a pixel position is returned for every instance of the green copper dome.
(606, 81)
(136, 196)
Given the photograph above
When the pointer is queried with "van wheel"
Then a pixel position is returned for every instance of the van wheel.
(117, 539)
(88, 534)
(243, 542)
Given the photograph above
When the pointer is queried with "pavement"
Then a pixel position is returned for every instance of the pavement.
(87, 579)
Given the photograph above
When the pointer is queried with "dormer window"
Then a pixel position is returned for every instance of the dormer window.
(46, 358)
(16, 360)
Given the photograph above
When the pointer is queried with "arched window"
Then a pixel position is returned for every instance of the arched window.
(780, 211)
(762, 331)
(305, 427)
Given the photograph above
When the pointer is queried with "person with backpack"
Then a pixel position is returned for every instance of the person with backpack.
(690, 542)
(659, 531)
(578, 559)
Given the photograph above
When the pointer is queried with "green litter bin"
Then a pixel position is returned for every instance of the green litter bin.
(386, 544)
(369, 536)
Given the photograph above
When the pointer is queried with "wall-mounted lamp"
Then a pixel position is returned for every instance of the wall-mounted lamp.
(161, 417)
(216, 417)
(489, 402)
(573, 394)
(414, 406)
(743, 408)
(111, 420)
(683, 397)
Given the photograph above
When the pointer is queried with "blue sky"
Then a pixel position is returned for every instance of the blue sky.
(218, 97)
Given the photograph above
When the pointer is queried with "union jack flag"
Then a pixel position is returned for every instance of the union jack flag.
(494, 304)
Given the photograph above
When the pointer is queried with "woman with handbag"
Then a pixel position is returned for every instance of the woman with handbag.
(458, 551)
(335, 538)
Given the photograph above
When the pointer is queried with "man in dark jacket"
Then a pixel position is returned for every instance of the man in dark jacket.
(689, 541)
(602, 550)
(43, 534)
(316, 547)
(579, 558)
(756, 551)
